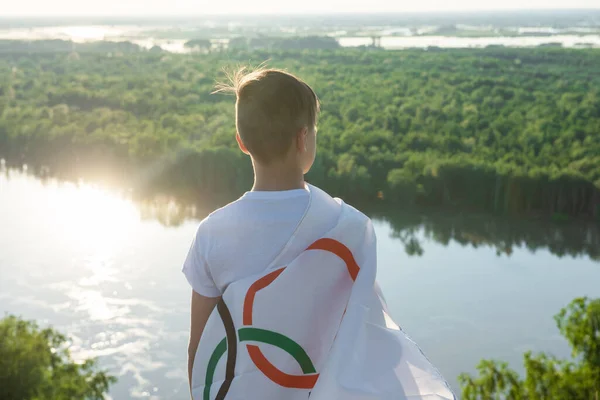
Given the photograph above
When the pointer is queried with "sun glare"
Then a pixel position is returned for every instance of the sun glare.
(93, 218)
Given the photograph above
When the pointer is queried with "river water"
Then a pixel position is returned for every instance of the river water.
(139, 36)
(106, 272)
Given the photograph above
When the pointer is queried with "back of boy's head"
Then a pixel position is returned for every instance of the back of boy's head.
(272, 107)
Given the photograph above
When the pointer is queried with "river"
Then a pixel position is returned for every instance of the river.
(106, 271)
(142, 36)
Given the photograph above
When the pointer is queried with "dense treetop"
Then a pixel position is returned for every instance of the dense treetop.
(496, 129)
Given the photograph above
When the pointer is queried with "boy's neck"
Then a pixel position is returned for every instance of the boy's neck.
(277, 178)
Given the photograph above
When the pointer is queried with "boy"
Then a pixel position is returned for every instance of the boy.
(291, 272)
(276, 121)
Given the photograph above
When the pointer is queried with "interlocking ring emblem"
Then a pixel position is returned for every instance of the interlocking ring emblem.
(249, 333)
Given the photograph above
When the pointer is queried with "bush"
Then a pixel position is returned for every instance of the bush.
(547, 377)
(35, 364)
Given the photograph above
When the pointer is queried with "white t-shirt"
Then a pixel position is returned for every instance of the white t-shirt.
(242, 238)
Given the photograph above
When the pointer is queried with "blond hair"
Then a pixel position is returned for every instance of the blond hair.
(272, 106)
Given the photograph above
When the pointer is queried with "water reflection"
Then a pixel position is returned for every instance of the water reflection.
(414, 227)
(89, 214)
(171, 212)
(99, 267)
(504, 234)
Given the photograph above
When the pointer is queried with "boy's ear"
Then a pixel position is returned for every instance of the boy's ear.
(302, 139)
(241, 144)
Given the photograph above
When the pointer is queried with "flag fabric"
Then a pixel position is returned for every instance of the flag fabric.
(314, 324)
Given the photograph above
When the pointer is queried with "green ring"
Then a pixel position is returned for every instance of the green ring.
(212, 365)
(262, 336)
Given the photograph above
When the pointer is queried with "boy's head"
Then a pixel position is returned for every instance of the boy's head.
(276, 117)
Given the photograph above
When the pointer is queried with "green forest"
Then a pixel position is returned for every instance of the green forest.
(509, 131)
(546, 376)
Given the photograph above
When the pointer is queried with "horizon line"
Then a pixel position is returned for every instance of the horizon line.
(302, 14)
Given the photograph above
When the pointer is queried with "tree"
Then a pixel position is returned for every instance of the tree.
(402, 185)
(547, 377)
(199, 44)
(461, 128)
(35, 364)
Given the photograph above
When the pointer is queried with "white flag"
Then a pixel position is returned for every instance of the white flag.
(314, 324)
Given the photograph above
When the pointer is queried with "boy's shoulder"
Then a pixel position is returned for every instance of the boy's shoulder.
(228, 212)
(349, 217)
(349, 209)
(250, 206)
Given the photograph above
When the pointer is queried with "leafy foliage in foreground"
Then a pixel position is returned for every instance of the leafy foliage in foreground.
(35, 364)
(547, 377)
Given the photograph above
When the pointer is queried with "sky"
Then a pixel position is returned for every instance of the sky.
(200, 7)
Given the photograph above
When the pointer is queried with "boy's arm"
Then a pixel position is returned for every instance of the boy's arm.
(202, 307)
